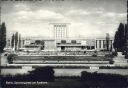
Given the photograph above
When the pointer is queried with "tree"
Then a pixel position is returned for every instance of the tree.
(16, 40)
(38, 42)
(12, 41)
(19, 45)
(116, 41)
(126, 41)
(126, 36)
(107, 41)
(2, 37)
(119, 39)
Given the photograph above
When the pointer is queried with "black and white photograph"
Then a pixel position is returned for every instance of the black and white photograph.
(63, 44)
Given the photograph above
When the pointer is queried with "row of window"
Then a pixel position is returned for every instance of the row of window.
(60, 25)
(72, 41)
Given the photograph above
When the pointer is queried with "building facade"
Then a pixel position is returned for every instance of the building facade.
(75, 44)
(61, 41)
(63, 44)
(60, 30)
(100, 44)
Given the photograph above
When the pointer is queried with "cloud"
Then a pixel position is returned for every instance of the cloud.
(38, 15)
(78, 12)
(113, 14)
(21, 6)
(79, 19)
(86, 17)
(122, 15)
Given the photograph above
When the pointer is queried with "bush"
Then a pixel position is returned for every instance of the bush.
(103, 80)
(126, 56)
(107, 55)
(10, 58)
(94, 54)
(114, 53)
(113, 67)
(42, 74)
(111, 62)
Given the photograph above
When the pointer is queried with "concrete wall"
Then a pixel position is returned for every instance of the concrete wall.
(49, 45)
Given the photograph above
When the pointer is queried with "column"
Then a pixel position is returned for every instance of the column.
(101, 44)
(97, 44)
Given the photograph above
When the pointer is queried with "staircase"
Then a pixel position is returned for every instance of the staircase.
(120, 60)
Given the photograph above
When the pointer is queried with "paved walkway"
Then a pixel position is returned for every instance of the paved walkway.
(3, 60)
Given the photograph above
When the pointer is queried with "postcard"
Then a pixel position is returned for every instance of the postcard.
(63, 44)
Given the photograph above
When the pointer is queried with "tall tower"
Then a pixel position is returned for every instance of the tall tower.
(60, 30)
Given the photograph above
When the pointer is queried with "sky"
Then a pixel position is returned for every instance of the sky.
(87, 18)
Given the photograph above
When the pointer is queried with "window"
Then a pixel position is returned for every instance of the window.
(73, 41)
(63, 41)
(83, 47)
